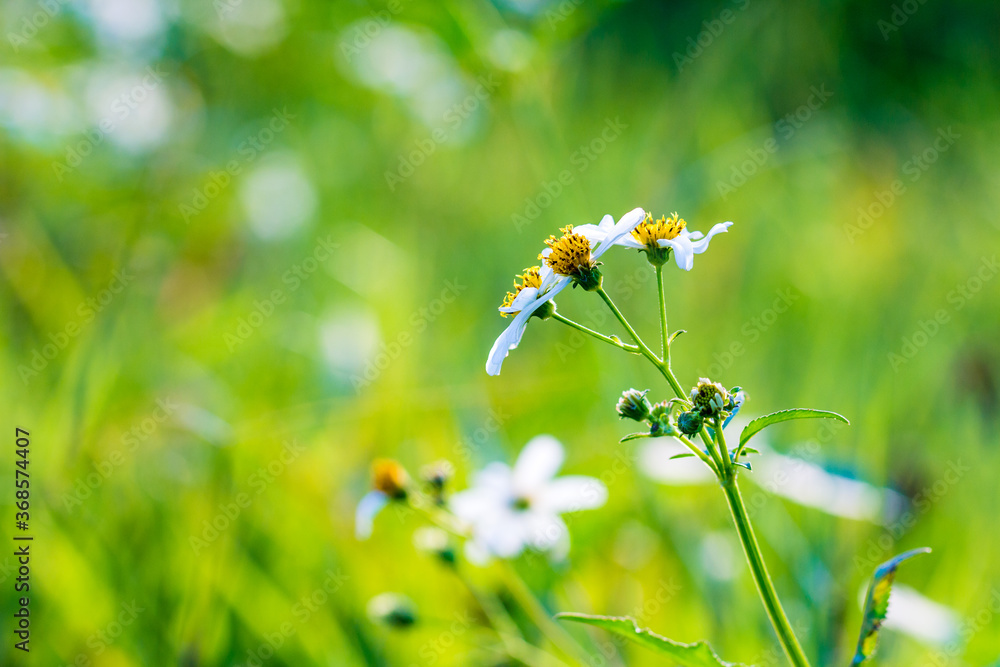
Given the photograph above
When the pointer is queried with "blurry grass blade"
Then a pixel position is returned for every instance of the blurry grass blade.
(682, 455)
(698, 654)
(877, 604)
(759, 424)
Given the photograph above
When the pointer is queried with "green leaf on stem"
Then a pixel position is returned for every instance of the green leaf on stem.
(682, 455)
(670, 341)
(636, 436)
(759, 424)
(698, 654)
(877, 604)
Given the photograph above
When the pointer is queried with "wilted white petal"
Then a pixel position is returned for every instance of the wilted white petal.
(700, 244)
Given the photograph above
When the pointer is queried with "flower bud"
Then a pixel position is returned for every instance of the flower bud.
(634, 405)
(689, 423)
(709, 398)
(434, 541)
(392, 609)
(659, 419)
(437, 474)
(389, 477)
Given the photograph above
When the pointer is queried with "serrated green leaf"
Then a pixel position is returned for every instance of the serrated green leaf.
(877, 604)
(636, 436)
(698, 654)
(759, 424)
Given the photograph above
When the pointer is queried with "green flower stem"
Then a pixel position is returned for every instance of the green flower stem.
(561, 639)
(723, 450)
(760, 576)
(664, 330)
(599, 336)
(506, 629)
(725, 471)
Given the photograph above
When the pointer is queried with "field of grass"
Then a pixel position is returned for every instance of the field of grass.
(248, 247)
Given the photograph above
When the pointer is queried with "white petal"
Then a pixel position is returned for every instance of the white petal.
(683, 250)
(596, 233)
(503, 537)
(700, 245)
(511, 336)
(538, 462)
(622, 228)
(370, 505)
(523, 298)
(629, 241)
(572, 493)
(542, 530)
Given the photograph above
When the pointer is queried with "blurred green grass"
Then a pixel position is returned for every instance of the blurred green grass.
(857, 298)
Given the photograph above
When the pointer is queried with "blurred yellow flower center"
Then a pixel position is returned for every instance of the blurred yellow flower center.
(530, 278)
(570, 254)
(389, 477)
(649, 232)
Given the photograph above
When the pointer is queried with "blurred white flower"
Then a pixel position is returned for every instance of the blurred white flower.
(669, 233)
(511, 509)
(540, 285)
(796, 478)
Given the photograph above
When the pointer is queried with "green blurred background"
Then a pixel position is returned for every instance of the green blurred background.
(250, 245)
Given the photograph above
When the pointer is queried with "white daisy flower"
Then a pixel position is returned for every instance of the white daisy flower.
(571, 257)
(668, 234)
(510, 509)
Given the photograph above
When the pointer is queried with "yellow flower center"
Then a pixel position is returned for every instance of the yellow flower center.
(390, 478)
(570, 254)
(530, 278)
(649, 232)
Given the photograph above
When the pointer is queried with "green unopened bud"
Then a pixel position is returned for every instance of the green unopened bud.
(659, 419)
(689, 423)
(634, 405)
(710, 398)
(392, 609)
